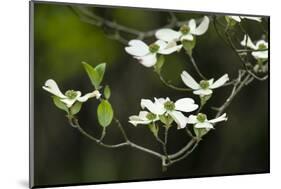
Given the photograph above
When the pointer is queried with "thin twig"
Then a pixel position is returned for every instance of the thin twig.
(196, 67)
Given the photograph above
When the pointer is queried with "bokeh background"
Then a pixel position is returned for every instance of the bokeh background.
(63, 156)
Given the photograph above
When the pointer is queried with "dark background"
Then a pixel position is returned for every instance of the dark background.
(63, 156)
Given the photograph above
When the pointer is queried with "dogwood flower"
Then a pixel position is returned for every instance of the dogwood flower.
(260, 45)
(205, 86)
(185, 32)
(143, 118)
(200, 121)
(167, 107)
(70, 96)
(147, 54)
(240, 18)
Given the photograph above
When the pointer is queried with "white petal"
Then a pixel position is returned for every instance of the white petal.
(260, 54)
(140, 119)
(219, 119)
(203, 27)
(211, 81)
(192, 25)
(137, 48)
(185, 105)
(259, 19)
(189, 81)
(167, 34)
(188, 37)
(148, 60)
(162, 44)
(192, 119)
(179, 118)
(170, 49)
(236, 18)
(221, 81)
(84, 98)
(152, 107)
(205, 125)
(68, 102)
(249, 44)
(52, 87)
(203, 92)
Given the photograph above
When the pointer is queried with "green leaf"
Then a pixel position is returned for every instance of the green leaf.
(159, 64)
(100, 69)
(107, 92)
(200, 132)
(230, 22)
(105, 113)
(189, 45)
(95, 74)
(76, 108)
(59, 104)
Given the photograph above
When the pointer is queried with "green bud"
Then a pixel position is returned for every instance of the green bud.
(153, 48)
(154, 129)
(107, 92)
(151, 116)
(166, 119)
(204, 84)
(169, 105)
(201, 117)
(262, 46)
(71, 94)
(184, 29)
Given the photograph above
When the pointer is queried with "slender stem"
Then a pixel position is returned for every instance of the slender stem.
(196, 67)
(183, 150)
(171, 85)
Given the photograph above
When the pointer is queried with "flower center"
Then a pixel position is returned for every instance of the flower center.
(262, 46)
(201, 117)
(184, 29)
(151, 116)
(204, 84)
(153, 48)
(169, 105)
(71, 94)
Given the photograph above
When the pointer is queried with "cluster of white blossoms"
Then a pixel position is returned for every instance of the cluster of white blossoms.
(70, 96)
(175, 110)
(204, 87)
(260, 48)
(167, 42)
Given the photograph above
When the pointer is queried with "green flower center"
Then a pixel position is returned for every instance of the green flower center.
(201, 117)
(204, 84)
(169, 105)
(184, 29)
(153, 48)
(151, 116)
(262, 47)
(71, 94)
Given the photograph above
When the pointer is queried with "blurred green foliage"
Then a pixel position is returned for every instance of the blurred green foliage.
(63, 156)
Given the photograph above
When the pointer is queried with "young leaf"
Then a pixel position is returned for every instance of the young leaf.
(159, 64)
(107, 92)
(75, 108)
(105, 113)
(95, 74)
(59, 103)
(100, 69)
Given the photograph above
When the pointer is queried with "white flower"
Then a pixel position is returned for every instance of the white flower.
(167, 107)
(239, 18)
(200, 121)
(143, 118)
(186, 31)
(147, 54)
(260, 45)
(205, 86)
(70, 96)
